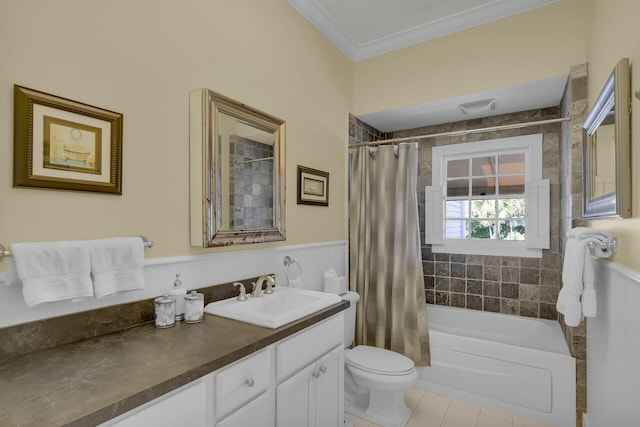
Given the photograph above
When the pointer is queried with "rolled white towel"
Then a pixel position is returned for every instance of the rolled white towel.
(600, 240)
(586, 232)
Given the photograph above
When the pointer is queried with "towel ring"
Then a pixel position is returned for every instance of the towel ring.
(288, 262)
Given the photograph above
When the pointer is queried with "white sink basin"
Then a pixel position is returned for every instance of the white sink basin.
(284, 305)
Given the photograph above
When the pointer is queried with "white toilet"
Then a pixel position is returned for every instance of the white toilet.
(375, 378)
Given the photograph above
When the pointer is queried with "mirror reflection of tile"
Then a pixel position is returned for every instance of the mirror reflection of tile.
(251, 189)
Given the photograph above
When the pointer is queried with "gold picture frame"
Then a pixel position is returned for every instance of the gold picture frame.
(313, 187)
(65, 145)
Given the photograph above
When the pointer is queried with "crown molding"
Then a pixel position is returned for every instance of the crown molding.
(460, 21)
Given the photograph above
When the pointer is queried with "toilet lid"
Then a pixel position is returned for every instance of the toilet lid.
(379, 360)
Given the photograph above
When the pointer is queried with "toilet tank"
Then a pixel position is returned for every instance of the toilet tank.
(350, 317)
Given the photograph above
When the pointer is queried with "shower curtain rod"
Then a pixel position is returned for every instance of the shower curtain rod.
(460, 132)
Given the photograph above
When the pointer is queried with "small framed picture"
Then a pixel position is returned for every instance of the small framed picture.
(66, 145)
(313, 187)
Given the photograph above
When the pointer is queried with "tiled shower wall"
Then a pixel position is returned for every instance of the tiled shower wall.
(575, 105)
(520, 286)
(359, 131)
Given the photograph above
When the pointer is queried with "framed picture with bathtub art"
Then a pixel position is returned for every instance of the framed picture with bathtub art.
(313, 187)
(65, 145)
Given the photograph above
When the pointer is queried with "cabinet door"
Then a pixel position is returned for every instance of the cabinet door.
(329, 399)
(259, 412)
(293, 400)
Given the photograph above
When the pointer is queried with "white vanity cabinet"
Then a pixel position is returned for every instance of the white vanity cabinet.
(295, 382)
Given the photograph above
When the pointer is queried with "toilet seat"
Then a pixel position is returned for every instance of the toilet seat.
(379, 361)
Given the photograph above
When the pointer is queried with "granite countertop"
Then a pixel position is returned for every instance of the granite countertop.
(91, 381)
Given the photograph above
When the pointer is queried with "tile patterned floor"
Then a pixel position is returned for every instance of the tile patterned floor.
(435, 410)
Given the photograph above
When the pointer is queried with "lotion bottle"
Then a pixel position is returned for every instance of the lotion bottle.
(178, 292)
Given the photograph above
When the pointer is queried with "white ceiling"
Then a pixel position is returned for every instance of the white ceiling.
(366, 28)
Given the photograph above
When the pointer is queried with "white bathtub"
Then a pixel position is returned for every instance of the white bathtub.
(514, 364)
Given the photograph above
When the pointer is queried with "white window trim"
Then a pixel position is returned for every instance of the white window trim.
(536, 195)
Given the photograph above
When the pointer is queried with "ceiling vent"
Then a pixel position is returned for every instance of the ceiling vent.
(478, 107)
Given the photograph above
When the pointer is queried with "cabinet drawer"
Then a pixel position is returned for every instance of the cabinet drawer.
(307, 346)
(239, 383)
(186, 407)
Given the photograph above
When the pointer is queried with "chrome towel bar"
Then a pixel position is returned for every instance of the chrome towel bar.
(4, 252)
(611, 245)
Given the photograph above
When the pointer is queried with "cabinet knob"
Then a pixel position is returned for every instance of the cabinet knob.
(323, 369)
(316, 374)
(250, 381)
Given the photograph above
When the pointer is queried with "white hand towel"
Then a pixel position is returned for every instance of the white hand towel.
(53, 271)
(577, 298)
(589, 303)
(117, 265)
(572, 286)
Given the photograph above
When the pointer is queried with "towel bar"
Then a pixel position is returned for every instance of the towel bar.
(611, 245)
(4, 252)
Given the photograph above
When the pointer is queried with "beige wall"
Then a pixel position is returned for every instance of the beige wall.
(531, 46)
(142, 58)
(614, 34)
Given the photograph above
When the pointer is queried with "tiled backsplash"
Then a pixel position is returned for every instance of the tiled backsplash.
(32, 336)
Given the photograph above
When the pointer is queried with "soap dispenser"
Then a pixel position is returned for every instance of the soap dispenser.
(178, 292)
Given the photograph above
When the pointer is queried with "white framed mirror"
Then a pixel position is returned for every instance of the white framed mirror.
(237, 176)
(606, 181)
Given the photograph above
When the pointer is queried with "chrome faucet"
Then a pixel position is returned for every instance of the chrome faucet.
(257, 286)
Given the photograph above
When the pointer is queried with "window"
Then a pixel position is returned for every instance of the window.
(488, 198)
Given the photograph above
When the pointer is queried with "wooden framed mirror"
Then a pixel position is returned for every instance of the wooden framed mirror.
(606, 181)
(237, 175)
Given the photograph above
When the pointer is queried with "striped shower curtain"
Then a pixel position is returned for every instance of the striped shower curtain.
(385, 257)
